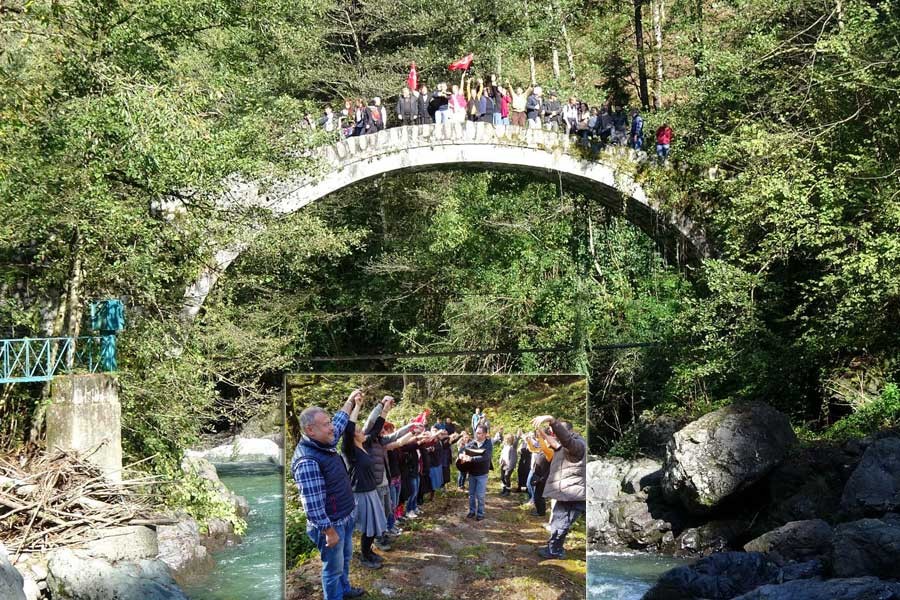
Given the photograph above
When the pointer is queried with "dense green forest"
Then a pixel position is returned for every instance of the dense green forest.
(786, 125)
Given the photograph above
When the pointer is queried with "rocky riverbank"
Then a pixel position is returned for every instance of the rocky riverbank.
(768, 517)
(127, 562)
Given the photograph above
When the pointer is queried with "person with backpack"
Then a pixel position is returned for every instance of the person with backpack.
(636, 137)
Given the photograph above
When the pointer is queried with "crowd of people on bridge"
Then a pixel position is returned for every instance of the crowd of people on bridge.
(498, 104)
(384, 473)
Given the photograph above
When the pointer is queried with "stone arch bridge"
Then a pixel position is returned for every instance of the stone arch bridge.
(604, 177)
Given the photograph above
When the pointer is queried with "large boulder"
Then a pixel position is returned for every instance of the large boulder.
(624, 504)
(874, 487)
(863, 588)
(77, 576)
(706, 539)
(807, 485)
(11, 583)
(123, 543)
(655, 431)
(724, 452)
(868, 547)
(718, 577)
(796, 541)
(181, 549)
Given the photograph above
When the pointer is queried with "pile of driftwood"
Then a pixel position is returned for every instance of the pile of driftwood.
(60, 499)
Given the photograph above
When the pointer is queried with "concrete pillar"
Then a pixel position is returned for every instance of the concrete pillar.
(85, 416)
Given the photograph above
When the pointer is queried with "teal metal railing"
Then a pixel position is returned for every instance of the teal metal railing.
(27, 360)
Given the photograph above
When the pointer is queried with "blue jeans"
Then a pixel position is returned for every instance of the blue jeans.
(442, 116)
(662, 151)
(477, 490)
(637, 142)
(562, 518)
(505, 120)
(498, 120)
(335, 561)
(413, 494)
(395, 500)
(461, 479)
(529, 486)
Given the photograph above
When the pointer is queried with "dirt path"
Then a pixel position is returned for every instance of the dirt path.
(444, 555)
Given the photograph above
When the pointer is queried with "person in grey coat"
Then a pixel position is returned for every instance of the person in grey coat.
(566, 482)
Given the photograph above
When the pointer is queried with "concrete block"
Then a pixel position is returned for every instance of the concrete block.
(85, 416)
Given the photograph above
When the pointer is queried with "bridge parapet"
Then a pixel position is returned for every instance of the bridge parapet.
(606, 176)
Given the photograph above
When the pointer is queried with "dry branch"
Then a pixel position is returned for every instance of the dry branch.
(70, 502)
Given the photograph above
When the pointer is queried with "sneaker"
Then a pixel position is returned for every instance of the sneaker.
(544, 552)
(382, 544)
(412, 515)
(377, 558)
(354, 593)
(470, 516)
(369, 562)
(479, 518)
(395, 530)
(535, 513)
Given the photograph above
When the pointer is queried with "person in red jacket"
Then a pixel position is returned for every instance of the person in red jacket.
(663, 139)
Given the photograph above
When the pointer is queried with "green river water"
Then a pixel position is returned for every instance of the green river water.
(254, 569)
(623, 576)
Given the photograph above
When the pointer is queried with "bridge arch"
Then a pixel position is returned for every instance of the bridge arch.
(481, 145)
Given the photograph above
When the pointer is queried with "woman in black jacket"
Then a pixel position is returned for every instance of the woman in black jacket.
(371, 521)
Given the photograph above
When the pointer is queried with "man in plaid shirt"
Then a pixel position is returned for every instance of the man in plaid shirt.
(328, 499)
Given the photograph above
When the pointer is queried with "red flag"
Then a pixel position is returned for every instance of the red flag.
(421, 418)
(462, 64)
(412, 80)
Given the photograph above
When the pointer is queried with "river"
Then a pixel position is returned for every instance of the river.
(254, 568)
(625, 576)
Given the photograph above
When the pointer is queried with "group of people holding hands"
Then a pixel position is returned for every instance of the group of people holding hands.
(383, 471)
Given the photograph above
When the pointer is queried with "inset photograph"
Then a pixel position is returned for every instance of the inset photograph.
(435, 486)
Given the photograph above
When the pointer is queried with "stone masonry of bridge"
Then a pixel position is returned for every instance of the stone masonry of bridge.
(604, 177)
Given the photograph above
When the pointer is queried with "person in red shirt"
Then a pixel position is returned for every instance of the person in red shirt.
(663, 139)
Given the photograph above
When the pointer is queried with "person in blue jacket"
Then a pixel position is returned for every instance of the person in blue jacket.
(327, 495)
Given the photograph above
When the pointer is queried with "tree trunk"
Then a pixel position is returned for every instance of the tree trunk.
(570, 55)
(657, 8)
(698, 37)
(67, 323)
(642, 62)
(556, 65)
(530, 47)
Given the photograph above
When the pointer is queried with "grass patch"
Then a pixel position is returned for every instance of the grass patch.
(476, 551)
